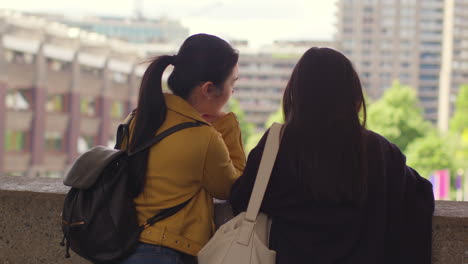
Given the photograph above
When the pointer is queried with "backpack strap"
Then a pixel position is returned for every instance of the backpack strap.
(165, 134)
(123, 130)
(165, 213)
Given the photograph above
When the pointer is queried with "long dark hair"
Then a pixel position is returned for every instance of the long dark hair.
(201, 58)
(325, 116)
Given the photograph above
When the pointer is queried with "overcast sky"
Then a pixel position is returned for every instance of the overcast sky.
(259, 21)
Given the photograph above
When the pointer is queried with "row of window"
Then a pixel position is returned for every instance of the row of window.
(19, 141)
(21, 100)
(61, 66)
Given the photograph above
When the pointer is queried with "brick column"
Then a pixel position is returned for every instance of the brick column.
(39, 95)
(3, 92)
(38, 126)
(73, 131)
(133, 90)
(104, 103)
(3, 109)
(104, 114)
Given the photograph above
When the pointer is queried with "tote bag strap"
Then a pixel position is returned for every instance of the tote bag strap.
(264, 171)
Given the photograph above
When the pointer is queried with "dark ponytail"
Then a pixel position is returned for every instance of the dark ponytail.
(150, 114)
(201, 58)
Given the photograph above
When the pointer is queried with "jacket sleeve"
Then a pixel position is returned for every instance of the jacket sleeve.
(225, 158)
(413, 207)
(419, 208)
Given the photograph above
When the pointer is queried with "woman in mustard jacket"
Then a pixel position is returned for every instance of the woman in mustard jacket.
(197, 163)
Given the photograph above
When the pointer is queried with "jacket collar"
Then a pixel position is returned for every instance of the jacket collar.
(179, 105)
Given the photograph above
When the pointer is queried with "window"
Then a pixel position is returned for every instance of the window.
(53, 141)
(388, 21)
(429, 88)
(366, 63)
(90, 70)
(406, 33)
(85, 142)
(58, 66)
(431, 44)
(366, 74)
(9, 55)
(427, 99)
(426, 77)
(430, 110)
(405, 64)
(23, 58)
(88, 106)
(15, 141)
(119, 77)
(18, 100)
(348, 43)
(430, 66)
(55, 103)
(386, 64)
(404, 76)
(117, 110)
(385, 75)
(426, 55)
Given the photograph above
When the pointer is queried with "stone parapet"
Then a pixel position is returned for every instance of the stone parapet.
(30, 224)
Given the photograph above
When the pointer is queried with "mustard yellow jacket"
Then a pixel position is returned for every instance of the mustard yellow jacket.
(200, 162)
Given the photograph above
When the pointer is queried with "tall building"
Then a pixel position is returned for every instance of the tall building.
(402, 40)
(454, 70)
(264, 74)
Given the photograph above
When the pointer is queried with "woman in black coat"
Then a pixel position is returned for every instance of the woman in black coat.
(338, 193)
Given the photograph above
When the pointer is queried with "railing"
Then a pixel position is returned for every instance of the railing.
(30, 224)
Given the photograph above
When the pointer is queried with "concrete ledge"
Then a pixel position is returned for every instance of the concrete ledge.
(30, 224)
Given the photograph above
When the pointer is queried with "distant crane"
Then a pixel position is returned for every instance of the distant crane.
(138, 9)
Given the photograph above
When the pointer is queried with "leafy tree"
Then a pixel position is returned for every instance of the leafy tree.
(397, 116)
(459, 127)
(459, 121)
(247, 129)
(277, 116)
(255, 138)
(430, 153)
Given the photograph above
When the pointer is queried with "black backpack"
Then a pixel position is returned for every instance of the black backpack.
(99, 220)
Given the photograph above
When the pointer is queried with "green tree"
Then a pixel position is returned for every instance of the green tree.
(397, 116)
(459, 121)
(277, 116)
(430, 153)
(247, 129)
(255, 138)
(459, 127)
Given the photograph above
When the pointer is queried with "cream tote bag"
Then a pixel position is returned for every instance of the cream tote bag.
(244, 239)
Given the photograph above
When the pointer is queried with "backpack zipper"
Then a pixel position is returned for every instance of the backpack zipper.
(73, 224)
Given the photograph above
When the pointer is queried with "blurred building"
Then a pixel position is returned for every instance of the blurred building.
(63, 90)
(133, 30)
(264, 74)
(404, 40)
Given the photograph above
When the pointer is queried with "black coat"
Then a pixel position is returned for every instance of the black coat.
(394, 225)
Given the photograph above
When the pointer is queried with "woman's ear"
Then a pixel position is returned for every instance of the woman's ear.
(208, 90)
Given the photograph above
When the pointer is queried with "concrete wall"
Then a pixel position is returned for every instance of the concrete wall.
(30, 232)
